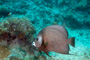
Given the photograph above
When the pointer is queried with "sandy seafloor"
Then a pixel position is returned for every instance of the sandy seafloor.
(73, 14)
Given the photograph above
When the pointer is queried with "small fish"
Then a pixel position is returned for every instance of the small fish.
(9, 13)
(54, 38)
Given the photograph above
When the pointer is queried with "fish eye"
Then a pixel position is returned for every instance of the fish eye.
(37, 39)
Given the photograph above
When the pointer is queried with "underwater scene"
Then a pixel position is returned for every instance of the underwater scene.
(44, 29)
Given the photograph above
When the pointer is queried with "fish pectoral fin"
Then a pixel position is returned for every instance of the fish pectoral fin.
(44, 44)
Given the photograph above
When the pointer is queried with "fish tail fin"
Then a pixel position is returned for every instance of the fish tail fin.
(72, 41)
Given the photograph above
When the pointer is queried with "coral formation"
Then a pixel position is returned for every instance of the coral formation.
(4, 52)
(73, 14)
(17, 32)
(55, 10)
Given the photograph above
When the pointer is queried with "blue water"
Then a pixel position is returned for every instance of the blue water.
(73, 14)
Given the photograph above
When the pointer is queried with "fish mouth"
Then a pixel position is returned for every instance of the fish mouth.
(34, 44)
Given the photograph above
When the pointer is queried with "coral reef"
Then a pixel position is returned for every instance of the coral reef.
(4, 52)
(55, 10)
(16, 32)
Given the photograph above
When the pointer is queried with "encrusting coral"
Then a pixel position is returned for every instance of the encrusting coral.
(4, 52)
(17, 32)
